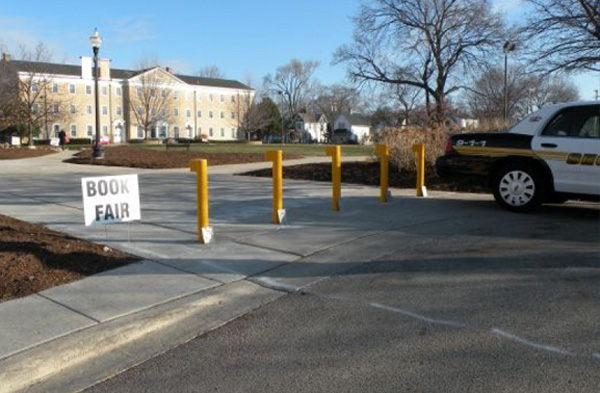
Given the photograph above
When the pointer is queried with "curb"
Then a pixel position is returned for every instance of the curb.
(77, 361)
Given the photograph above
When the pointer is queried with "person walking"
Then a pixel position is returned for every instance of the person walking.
(62, 136)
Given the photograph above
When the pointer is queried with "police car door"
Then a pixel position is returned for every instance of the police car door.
(570, 145)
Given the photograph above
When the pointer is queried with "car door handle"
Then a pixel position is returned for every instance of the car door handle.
(550, 145)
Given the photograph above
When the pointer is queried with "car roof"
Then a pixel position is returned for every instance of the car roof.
(534, 121)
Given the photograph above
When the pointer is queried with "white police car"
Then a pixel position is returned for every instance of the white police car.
(550, 156)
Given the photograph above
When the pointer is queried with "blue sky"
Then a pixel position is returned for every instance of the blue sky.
(241, 37)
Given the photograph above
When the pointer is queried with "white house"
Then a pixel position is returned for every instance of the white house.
(310, 127)
(351, 128)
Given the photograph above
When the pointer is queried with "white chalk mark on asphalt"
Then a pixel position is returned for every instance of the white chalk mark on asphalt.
(418, 316)
(523, 341)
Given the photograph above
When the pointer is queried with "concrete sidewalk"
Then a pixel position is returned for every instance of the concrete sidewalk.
(68, 337)
(47, 334)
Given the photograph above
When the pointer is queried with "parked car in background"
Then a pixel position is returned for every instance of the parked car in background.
(550, 156)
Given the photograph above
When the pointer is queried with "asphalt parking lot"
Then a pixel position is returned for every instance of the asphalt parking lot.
(445, 293)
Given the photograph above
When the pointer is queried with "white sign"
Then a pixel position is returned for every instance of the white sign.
(15, 141)
(110, 199)
(54, 142)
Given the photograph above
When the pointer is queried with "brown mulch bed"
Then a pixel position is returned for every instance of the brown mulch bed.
(134, 157)
(34, 258)
(15, 153)
(368, 173)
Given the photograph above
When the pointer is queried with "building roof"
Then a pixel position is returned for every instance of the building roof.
(115, 73)
(357, 119)
(310, 117)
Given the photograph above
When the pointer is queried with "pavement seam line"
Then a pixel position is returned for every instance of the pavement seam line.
(69, 308)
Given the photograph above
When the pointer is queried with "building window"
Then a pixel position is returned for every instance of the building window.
(162, 131)
(119, 91)
(152, 112)
(210, 114)
(140, 91)
(199, 113)
(140, 132)
(35, 108)
(222, 98)
(88, 90)
(163, 93)
(119, 111)
(222, 132)
(55, 87)
(175, 95)
(199, 131)
(199, 96)
(104, 90)
(163, 112)
(210, 97)
(104, 110)
(73, 109)
(232, 98)
(210, 132)
(233, 115)
(71, 89)
(73, 130)
(104, 130)
(222, 115)
(88, 109)
(55, 108)
(90, 130)
(188, 113)
(153, 92)
(176, 132)
(56, 130)
(140, 110)
(34, 88)
(176, 112)
(233, 132)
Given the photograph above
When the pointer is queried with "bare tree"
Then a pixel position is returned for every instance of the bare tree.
(525, 92)
(292, 82)
(150, 96)
(211, 71)
(28, 94)
(334, 100)
(427, 44)
(564, 34)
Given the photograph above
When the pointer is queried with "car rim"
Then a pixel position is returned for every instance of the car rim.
(517, 188)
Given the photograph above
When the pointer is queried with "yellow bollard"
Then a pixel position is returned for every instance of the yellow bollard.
(384, 171)
(276, 157)
(204, 231)
(419, 150)
(336, 174)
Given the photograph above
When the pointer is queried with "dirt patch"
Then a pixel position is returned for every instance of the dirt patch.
(15, 153)
(34, 258)
(367, 173)
(135, 157)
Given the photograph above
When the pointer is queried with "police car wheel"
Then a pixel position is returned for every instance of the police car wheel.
(518, 188)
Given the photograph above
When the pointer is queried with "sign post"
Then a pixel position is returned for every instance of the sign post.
(110, 199)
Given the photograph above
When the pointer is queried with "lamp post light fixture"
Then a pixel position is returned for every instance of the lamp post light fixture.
(98, 149)
(508, 47)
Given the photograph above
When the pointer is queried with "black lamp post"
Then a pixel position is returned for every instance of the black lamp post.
(508, 47)
(96, 41)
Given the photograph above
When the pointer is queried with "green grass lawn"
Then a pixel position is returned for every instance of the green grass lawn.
(297, 148)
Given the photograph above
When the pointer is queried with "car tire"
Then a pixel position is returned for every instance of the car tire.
(518, 187)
